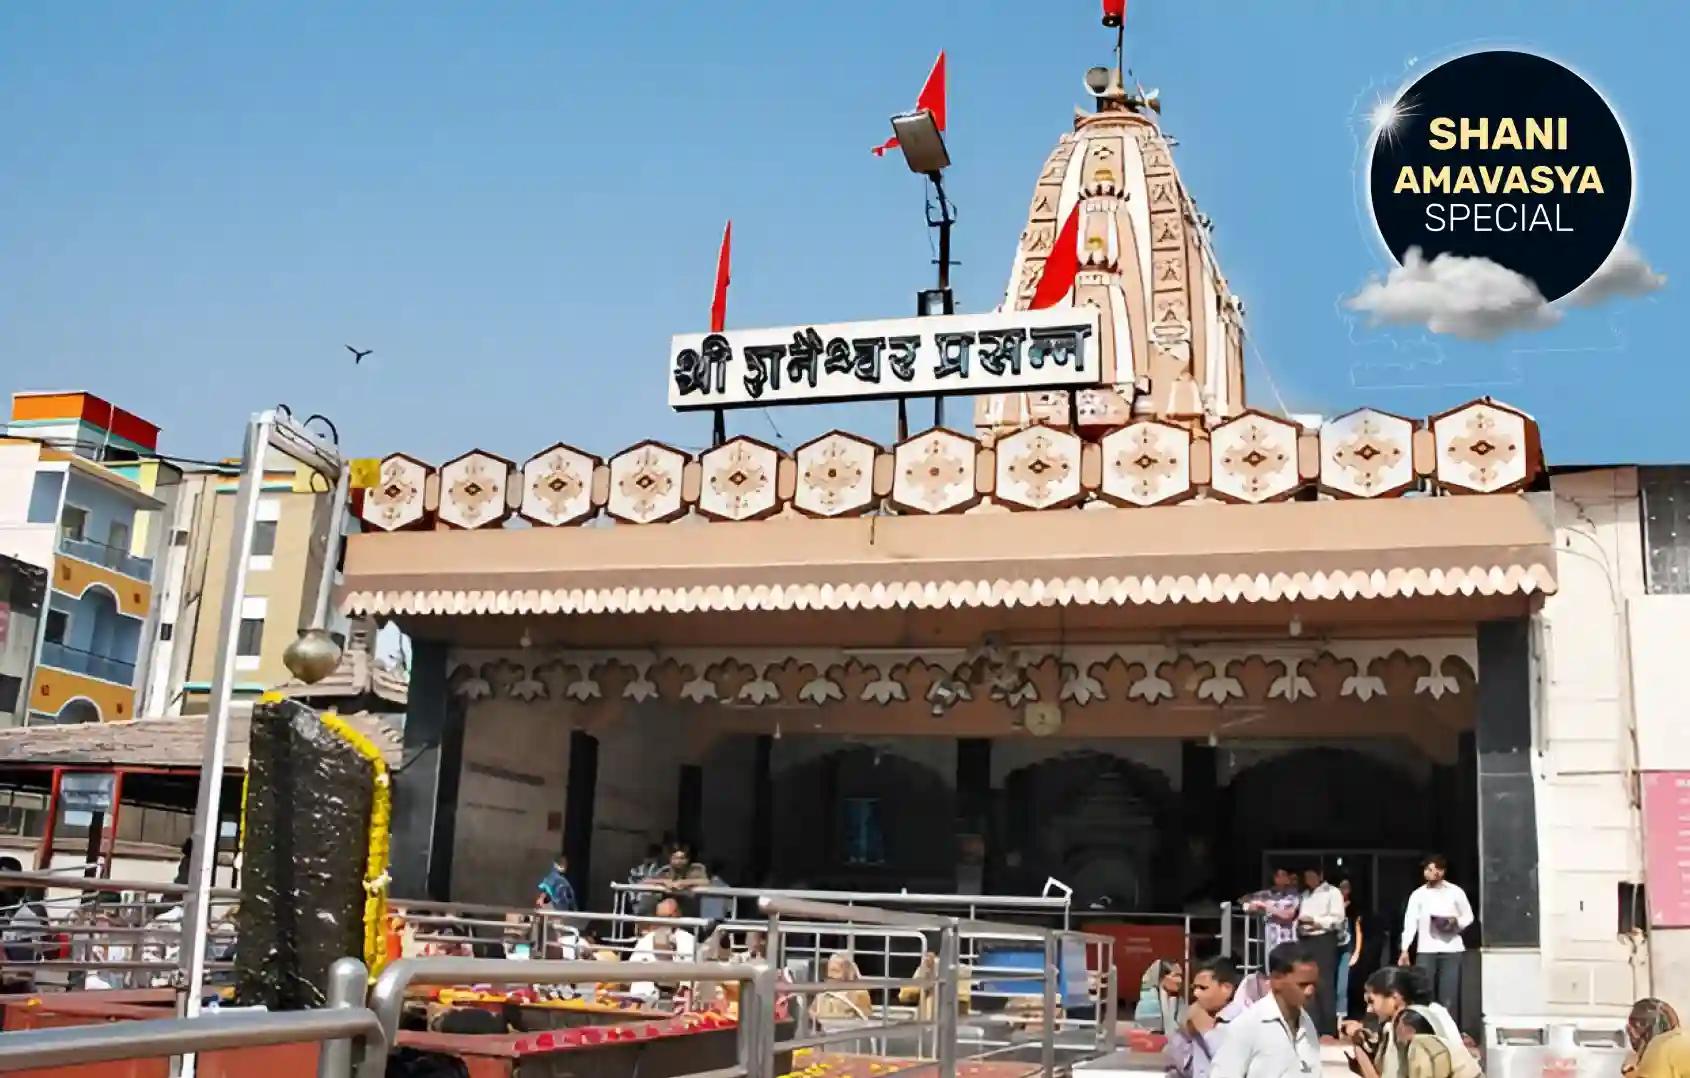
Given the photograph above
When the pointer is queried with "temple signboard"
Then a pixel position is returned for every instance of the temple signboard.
(910, 357)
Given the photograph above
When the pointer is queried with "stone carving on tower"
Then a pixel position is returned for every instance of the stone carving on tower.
(1111, 226)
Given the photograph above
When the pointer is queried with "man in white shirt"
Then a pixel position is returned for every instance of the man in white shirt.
(1274, 1037)
(1438, 912)
(664, 943)
(1319, 918)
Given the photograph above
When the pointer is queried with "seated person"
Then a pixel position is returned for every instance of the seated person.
(849, 1003)
(663, 943)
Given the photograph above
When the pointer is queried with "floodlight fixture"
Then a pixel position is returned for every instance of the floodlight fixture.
(922, 142)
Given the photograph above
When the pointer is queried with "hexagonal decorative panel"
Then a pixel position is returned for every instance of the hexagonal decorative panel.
(835, 476)
(1367, 454)
(1038, 468)
(739, 480)
(1485, 447)
(1254, 458)
(645, 484)
(397, 501)
(557, 486)
(1146, 463)
(934, 473)
(472, 490)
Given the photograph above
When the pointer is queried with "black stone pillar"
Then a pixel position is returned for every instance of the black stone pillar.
(579, 800)
(762, 812)
(1193, 847)
(1507, 806)
(974, 799)
(425, 788)
(689, 809)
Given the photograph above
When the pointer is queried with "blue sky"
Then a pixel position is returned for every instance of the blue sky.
(515, 205)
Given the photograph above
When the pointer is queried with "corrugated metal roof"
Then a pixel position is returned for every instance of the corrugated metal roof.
(174, 742)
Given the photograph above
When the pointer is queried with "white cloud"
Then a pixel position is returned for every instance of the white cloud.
(1472, 298)
(1626, 273)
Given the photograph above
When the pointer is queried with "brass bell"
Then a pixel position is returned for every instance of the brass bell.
(313, 656)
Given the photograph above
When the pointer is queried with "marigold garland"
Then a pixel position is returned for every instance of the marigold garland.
(375, 868)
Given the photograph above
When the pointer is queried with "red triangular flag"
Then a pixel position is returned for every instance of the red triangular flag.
(1061, 266)
(932, 98)
(719, 299)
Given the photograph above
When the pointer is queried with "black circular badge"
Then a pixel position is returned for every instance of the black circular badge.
(1507, 156)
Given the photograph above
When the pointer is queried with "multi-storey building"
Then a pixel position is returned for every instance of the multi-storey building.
(80, 490)
(284, 568)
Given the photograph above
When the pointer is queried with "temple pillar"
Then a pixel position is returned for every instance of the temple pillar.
(425, 790)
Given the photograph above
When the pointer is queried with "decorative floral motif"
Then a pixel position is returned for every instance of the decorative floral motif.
(472, 490)
(645, 484)
(1038, 468)
(397, 501)
(820, 690)
(557, 486)
(739, 480)
(1255, 458)
(1150, 672)
(1146, 463)
(835, 476)
(1482, 448)
(934, 473)
(1367, 454)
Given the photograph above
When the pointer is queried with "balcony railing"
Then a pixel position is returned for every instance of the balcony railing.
(104, 667)
(109, 556)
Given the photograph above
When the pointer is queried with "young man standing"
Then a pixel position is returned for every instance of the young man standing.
(1319, 918)
(556, 892)
(1275, 1038)
(1438, 912)
(1192, 1047)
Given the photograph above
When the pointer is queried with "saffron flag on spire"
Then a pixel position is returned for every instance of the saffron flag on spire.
(719, 298)
(1062, 266)
(932, 98)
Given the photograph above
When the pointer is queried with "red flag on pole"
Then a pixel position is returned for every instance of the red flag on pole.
(1062, 266)
(719, 299)
(932, 99)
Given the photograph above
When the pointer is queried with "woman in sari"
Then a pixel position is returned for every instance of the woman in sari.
(1658, 1048)
(1161, 999)
(846, 1003)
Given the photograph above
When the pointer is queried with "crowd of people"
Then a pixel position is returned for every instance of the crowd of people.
(1322, 916)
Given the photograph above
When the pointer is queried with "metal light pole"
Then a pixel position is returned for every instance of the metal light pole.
(266, 431)
(923, 146)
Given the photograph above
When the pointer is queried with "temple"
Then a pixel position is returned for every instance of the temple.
(1141, 637)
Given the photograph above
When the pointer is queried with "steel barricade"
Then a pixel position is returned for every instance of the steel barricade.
(342, 1028)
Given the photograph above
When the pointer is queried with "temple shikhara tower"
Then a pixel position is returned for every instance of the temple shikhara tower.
(1111, 226)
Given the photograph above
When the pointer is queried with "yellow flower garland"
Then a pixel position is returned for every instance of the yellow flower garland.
(375, 866)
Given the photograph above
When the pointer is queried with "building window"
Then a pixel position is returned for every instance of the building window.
(264, 538)
(117, 536)
(264, 533)
(166, 631)
(249, 642)
(44, 497)
(1666, 529)
(10, 689)
(58, 626)
(73, 522)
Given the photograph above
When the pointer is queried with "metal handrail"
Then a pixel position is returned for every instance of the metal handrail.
(341, 1026)
(69, 1045)
(53, 881)
(757, 1002)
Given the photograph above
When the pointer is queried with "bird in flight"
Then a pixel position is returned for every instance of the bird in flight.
(358, 356)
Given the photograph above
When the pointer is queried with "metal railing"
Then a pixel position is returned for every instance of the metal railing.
(741, 902)
(347, 1031)
(77, 661)
(111, 557)
(78, 931)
